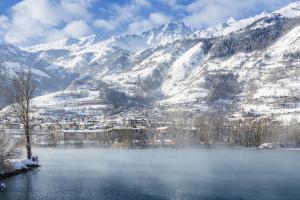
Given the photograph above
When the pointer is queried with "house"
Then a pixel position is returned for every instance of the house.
(131, 136)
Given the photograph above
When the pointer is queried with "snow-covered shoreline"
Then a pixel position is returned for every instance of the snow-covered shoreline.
(20, 166)
(23, 164)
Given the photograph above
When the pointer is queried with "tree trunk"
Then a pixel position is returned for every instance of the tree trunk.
(28, 145)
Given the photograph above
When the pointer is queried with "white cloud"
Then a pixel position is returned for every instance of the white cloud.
(34, 21)
(139, 26)
(211, 12)
(77, 9)
(40, 11)
(101, 23)
(4, 24)
(54, 35)
(169, 2)
(77, 29)
(173, 4)
(145, 24)
(37, 20)
(158, 18)
(127, 14)
(144, 3)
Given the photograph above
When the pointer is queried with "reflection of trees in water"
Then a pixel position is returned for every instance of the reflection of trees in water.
(18, 187)
(28, 192)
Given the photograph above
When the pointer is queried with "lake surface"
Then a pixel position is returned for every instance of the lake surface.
(210, 174)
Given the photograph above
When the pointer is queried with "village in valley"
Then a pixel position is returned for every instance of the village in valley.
(150, 128)
(120, 131)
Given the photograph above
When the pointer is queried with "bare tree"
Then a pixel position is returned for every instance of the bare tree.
(8, 150)
(21, 92)
(1, 79)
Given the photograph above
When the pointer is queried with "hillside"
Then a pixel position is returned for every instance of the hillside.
(246, 67)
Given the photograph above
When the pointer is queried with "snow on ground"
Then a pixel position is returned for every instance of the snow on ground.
(187, 96)
(60, 44)
(11, 66)
(182, 68)
(40, 73)
(291, 11)
(241, 24)
(289, 43)
(132, 43)
(282, 113)
(23, 164)
(230, 27)
(266, 146)
(289, 117)
(272, 90)
(128, 80)
(82, 101)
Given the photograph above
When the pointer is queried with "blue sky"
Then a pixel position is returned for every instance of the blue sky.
(29, 22)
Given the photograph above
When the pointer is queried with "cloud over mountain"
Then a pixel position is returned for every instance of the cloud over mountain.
(34, 21)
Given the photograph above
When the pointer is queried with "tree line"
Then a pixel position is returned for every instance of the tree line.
(217, 128)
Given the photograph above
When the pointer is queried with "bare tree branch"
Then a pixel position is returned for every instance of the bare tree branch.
(8, 151)
(21, 91)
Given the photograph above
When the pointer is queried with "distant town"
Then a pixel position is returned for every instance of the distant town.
(149, 128)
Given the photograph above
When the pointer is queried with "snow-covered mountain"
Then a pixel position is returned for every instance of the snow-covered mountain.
(48, 76)
(168, 33)
(246, 67)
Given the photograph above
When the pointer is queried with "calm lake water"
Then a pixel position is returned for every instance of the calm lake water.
(210, 174)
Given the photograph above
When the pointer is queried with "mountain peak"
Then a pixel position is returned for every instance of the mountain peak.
(167, 33)
(59, 44)
(91, 39)
(231, 20)
(65, 43)
(176, 25)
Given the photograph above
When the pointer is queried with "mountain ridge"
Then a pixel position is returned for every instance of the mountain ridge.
(240, 67)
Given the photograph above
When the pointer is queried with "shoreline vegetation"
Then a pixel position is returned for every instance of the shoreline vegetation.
(17, 172)
(151, 146)
(19, 167)
(180, 131)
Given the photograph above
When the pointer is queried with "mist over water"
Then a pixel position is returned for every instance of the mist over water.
(95, 173)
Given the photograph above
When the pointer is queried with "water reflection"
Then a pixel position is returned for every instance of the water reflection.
(159, 174)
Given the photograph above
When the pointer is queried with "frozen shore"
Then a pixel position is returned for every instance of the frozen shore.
(20, 166)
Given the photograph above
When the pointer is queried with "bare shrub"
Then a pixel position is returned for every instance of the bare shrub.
(8, 150)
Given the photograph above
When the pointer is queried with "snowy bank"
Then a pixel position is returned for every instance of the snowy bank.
(278, 146)
(24, 164)
(266, 146)
(2, 186)
(21, 166)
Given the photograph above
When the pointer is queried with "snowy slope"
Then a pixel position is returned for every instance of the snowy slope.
(182, 68)
(250, 66)
(48, 79)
